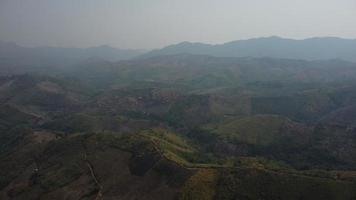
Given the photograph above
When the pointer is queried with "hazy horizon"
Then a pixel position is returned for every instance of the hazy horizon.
(193, 42)
(139, 24)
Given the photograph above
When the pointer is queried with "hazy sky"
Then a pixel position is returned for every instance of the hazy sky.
(156, 23)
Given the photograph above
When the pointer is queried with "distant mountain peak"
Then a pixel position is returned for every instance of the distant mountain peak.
(104, 46)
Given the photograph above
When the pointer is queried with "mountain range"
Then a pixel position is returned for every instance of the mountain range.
(323, 48)
(11, 52)
(276, 47)
(176, 127)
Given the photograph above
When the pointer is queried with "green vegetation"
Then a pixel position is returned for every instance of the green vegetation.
(261, 184)
(200, 186)
(255, 130)
(181, 127)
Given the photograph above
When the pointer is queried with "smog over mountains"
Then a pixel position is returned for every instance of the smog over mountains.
(232, 114)
(323, 48)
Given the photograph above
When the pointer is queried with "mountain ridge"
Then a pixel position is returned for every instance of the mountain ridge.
(11, 52)
(316, 48)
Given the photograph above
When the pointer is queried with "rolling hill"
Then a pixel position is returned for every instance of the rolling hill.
(180, 127)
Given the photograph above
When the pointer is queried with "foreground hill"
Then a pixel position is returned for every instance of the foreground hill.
(45, 165)
(275, 47)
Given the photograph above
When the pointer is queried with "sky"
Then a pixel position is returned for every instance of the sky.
(148, 24)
